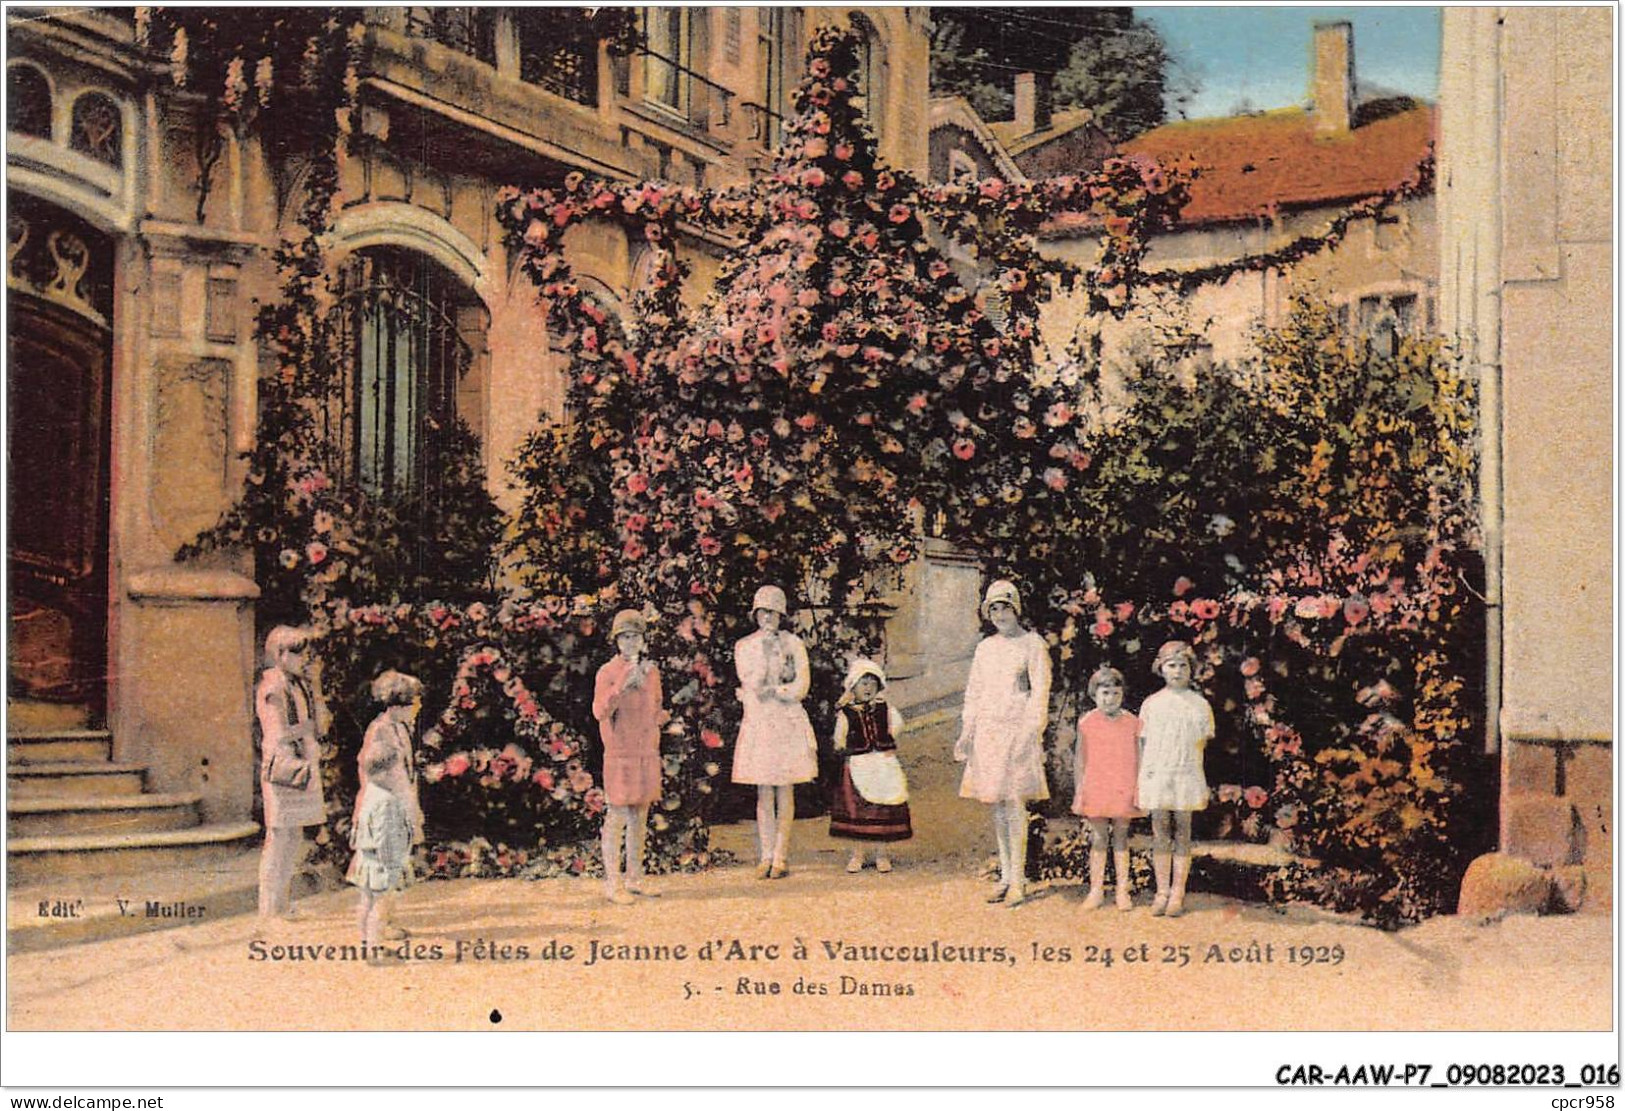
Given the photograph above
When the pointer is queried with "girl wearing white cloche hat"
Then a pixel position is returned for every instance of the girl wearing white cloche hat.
(1001, 736)
(776, 747)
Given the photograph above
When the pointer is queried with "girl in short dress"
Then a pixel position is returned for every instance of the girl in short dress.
(381, 839)
(1176, 724)
(1107, 766)
(391, 731)
(401, 697)
(776, 747)
(871, 800)
(630, 708)
(1001, 736)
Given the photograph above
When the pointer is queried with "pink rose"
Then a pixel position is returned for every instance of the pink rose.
(456, 764)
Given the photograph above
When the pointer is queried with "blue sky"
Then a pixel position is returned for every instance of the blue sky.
(1260, 55)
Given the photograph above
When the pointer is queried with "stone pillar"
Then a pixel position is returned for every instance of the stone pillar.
(183, 657)
(1525, 100)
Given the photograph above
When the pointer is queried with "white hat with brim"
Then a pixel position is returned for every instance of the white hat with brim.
(1001, 591)
(861, 667)
(770, 598)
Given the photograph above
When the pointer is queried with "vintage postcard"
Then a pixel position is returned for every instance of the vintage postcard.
(806, 519)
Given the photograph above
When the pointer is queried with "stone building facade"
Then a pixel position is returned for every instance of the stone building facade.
(134, 363)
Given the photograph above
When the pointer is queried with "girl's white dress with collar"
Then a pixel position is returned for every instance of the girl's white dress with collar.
(1006, 710)
(1175, 726)
(776, 742)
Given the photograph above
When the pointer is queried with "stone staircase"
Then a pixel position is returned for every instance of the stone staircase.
(73, 811)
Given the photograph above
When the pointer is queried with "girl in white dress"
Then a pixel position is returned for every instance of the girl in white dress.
(1001, 737)
(776, 747)
(386, 761)
(1176, 724)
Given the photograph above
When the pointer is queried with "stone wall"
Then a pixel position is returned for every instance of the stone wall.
(1526, 157)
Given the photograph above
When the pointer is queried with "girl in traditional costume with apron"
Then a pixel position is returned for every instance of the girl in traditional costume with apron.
(871, 799)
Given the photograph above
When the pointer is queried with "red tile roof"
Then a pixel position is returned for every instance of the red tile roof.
(1252, 164)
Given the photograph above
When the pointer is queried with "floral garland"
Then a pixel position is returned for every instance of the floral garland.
(569, 785)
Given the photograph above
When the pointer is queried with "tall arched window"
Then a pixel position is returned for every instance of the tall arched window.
(410, 328)
(873, 74)
(28, 102)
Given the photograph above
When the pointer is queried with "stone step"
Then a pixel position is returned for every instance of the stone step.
(59, 746)
(72, 779)
(26, 714)
(32, 860)
(64, 817)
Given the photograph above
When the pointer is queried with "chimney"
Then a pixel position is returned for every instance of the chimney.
(1034, 102)
(1026, 102)
(1333, 88)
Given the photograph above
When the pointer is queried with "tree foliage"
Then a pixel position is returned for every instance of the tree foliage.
(1103, 59)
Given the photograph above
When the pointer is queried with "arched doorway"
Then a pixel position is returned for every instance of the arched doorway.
(58, 386)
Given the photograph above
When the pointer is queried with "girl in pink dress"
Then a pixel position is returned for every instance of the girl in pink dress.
(1107, 765)
(629, 705)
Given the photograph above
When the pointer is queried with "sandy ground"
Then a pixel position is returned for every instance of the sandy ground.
(914, 950)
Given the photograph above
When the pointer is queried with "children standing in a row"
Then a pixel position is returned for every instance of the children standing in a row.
(1166, 742)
